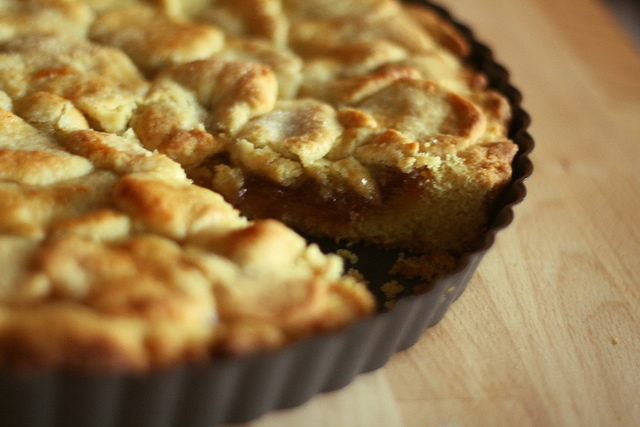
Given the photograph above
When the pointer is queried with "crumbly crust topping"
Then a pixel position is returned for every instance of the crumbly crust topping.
(113, 258)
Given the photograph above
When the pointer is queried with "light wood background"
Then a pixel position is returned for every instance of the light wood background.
(548, 331)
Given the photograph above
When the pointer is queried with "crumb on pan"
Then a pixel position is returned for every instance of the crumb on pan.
(392, 288)
(426, 267)
(348, 255)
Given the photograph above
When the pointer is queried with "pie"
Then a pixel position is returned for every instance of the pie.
(157, 156)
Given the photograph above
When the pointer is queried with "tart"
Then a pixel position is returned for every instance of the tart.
(155, 158)
(151, 153)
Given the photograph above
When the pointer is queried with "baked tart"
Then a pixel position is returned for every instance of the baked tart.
(161, 161)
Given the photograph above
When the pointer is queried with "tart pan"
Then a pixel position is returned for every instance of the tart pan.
(244, 388)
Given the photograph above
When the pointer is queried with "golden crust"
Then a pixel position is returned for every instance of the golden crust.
(41, 167)
(249, 19)
(353, 119)
(285, 65)
(50, 113)
(170, 121)
(154, 40)
(231, 91)
(28, 210)
(102, 82)
(303, 130)
(443, 31)
(139, 299)
(43, 16)
(176, 209)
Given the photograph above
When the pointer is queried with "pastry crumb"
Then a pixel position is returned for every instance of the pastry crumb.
(388, 305)
(348, 255)
(391, 289)
(426, 267)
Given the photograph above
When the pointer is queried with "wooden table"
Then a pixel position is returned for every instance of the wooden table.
(548, 331)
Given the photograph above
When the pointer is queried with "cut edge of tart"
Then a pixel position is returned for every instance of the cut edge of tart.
(354, 120)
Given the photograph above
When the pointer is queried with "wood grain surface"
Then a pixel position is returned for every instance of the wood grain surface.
(548, 331)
